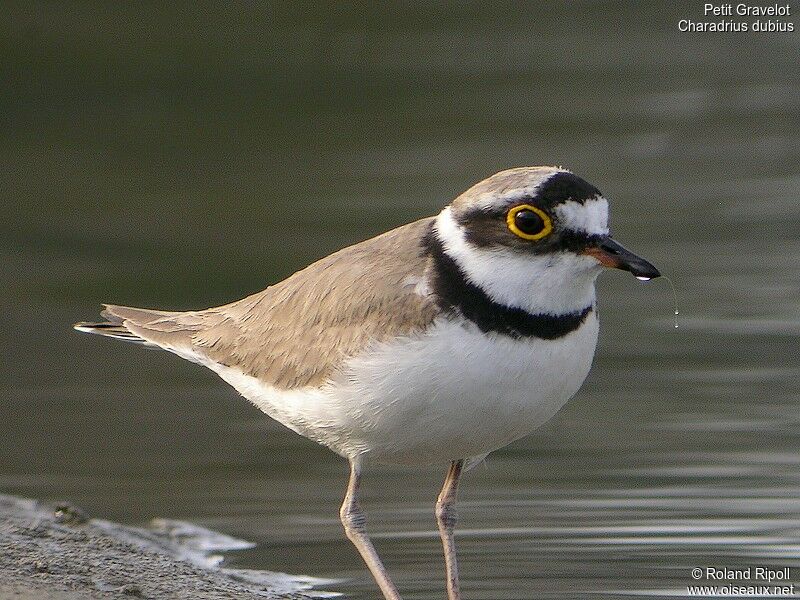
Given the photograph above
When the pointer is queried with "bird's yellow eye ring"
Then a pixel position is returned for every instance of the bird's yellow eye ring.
(529, 222)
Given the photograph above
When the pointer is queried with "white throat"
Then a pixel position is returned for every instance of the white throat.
(553, 284)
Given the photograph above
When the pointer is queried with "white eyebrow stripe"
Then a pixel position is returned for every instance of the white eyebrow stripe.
(490, 200)
(590, 216)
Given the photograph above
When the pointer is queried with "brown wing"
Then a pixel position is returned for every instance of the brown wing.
(296, 332)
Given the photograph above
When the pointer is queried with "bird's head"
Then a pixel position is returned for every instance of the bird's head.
(536, 238)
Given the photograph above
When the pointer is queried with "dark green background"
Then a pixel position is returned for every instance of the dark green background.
(181, 157)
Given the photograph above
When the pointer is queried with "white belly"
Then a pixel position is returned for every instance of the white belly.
(453, 393)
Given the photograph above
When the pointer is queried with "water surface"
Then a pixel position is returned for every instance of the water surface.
(184, 160)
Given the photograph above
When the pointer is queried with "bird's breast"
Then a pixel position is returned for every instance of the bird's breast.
(456, 391)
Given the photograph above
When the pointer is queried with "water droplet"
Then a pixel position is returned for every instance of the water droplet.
(643, 278)
(674, 300)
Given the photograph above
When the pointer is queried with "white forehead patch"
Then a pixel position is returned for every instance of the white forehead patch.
(590, 217)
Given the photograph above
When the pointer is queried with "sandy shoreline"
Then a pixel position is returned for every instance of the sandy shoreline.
(55, 552)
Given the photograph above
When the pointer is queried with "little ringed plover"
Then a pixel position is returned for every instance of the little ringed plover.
(436, 342)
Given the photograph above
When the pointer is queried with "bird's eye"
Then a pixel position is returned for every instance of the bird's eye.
(529, 222)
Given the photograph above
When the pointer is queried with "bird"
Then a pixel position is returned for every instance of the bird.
(437, 342)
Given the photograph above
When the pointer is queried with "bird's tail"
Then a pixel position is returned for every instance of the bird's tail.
(112, 330)
(126, 323)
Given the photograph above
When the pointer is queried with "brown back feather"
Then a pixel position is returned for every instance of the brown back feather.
(295, 333)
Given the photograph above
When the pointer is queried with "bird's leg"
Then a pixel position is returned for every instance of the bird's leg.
(355, 527)
(446, 518)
